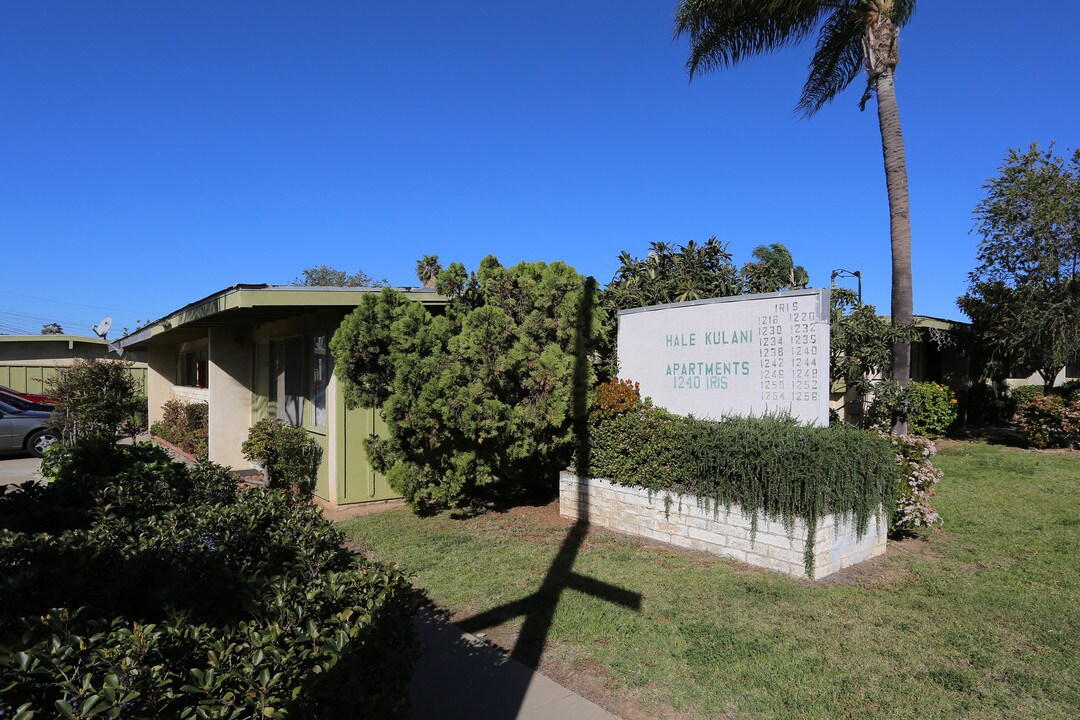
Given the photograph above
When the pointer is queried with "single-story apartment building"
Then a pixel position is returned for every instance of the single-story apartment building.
(28, 362)
(253, 351)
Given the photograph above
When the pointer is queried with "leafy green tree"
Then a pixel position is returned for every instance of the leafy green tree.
(860, 344)
(52, 329)
(97, 401)
(852, 36)
(667, 274)
(481, 395)
(326, 276)
(673, 273)
(772, 270)
(1024, 296)
(694, 271)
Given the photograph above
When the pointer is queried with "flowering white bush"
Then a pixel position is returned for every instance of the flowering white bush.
(918, 476)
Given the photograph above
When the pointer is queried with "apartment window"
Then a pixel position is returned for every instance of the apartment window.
(288, 379)
(320, 377)
(1072, 370)
(192, 369)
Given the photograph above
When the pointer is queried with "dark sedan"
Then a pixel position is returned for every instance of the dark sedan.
(25, 430)
(20, 403)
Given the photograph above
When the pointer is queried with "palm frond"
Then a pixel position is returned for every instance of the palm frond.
(902, 12)
(836, 62)
(724, 32)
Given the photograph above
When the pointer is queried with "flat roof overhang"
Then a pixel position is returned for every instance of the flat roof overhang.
(255, 305)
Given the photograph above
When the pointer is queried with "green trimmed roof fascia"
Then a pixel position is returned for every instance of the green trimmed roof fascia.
(71, 340)
(267, 296)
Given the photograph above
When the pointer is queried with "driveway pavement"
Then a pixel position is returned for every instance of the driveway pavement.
(15, 470)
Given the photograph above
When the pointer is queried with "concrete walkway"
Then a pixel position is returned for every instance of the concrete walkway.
(15, 469)
(459, 677)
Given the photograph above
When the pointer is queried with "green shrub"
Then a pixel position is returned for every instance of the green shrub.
(289, 455)
(1021, 394)
(767, 466)
(930, 408)
(138, 588)
(1069, 390)
(933, 409)
(984, 403)
(185, 425)
(1048, 421)
(481, 398)
(96, 401)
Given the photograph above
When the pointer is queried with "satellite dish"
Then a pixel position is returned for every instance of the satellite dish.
(102, 328)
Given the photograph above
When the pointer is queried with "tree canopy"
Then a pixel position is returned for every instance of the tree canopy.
(1024, 295)
(694, 271)
(52, 329)
(483, 394)
(772, 270)
(860, 344)
(326, 276)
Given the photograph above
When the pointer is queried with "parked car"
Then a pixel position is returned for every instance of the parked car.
(32, 397)
(20, 403)
(25, 430)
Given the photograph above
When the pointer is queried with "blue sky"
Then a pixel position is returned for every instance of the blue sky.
(153, 153)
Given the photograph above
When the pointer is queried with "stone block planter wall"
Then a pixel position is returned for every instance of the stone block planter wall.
(190, 394)
(679, 520)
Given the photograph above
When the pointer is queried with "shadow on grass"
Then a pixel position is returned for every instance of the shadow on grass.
(538, 609)
(1006, 435)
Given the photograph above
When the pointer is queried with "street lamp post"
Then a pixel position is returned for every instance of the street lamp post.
(840, 272)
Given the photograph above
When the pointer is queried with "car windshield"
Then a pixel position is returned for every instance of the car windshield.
(14, 401)
(5, 408)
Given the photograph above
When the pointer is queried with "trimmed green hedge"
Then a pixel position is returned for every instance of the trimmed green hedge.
(772, 466)
(134, 587)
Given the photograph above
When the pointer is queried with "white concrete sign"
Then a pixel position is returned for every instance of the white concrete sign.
(743, 355)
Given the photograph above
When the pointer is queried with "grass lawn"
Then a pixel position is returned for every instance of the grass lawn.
(978, 620)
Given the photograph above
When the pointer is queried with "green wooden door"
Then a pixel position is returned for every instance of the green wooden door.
(359, 482)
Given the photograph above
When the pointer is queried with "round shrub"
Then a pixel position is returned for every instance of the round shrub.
(930, 408)
(96, 401)
(287, 453)
(1048, 421)
(933, 409)
(1020, 395)
(186, 425)
(616, 397)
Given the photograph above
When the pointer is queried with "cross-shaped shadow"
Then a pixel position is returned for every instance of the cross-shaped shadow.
(514, 691)
(539, 608)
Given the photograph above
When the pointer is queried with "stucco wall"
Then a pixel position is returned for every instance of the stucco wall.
(680, 520)
(230, 382)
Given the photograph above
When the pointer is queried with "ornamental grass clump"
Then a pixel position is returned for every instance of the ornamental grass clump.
(770, 467)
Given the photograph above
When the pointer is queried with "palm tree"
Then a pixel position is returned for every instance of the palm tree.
(852, 36)
(773, 269)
